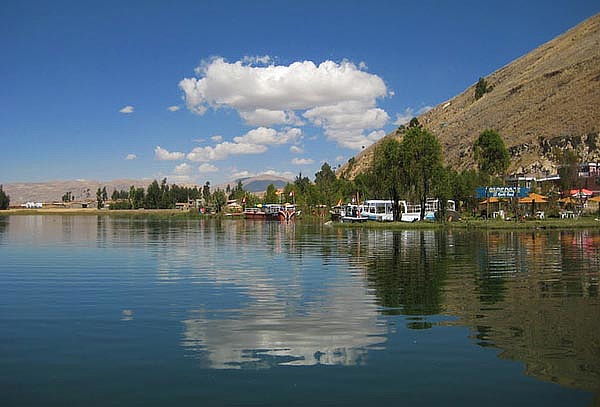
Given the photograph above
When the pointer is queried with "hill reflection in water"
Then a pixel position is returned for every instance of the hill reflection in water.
(252, 295)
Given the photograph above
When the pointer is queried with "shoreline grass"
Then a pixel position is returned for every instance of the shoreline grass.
(583, 222)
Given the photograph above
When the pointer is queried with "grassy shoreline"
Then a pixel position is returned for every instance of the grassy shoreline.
(137, 213)
(584, 222)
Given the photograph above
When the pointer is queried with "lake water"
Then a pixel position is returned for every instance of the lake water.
(117, 311)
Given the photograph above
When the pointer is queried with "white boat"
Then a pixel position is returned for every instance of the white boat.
(351, 213)
(378, 210)
(412, 213)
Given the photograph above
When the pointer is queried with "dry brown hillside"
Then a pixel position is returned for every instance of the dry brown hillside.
(548, 98)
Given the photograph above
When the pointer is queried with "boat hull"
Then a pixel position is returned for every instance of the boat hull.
(256, 216)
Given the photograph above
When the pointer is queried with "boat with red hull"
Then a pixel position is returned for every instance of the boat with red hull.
(255, 213)
(279, 212)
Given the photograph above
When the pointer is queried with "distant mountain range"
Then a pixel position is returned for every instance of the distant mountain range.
(258, 184)
(49, 191)
(548, 99)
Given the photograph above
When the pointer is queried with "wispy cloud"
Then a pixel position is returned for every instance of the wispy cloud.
(127, 109)
(217, 138)
(130, 157)
(173, 108)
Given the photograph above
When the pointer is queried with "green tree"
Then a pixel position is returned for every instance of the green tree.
(153, 196)
(206, 193)
(67, 197)
(326, 185)
(568, 168)
(220, 199)
(389, 169)
(481, 88)
(421, 160)
(4, 199)
(491, 154)
(271, 194)
(99, 200)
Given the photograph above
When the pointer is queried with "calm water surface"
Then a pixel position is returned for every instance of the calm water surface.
(108, 311)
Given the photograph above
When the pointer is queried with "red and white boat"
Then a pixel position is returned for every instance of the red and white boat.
(256, 213)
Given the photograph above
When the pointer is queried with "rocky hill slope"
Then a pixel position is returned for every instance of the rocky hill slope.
(547, 99)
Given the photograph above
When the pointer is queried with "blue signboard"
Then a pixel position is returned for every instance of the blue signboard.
(501, 192)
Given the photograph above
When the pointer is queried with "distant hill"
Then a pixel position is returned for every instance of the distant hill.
(259, 183)
(547, 99)
(50, 191)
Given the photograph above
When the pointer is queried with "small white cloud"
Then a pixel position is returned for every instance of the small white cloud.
(127, 109)
(182, 169)
(296, 150)
(217, 138)
(165, 155)
(302, 161)
(204, 168)
(339, 158)
(173, 108)
(130, 157)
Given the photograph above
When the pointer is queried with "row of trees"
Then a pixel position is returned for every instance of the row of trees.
(4, 199)
(412, 169)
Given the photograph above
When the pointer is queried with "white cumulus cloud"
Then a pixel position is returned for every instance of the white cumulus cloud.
(127, 109)
(165, 155)
(302, 161)
(173, 108)
(204, 168)
(223, 150)
(326, 94)
(268, 136)
(130, 157)
(296, 150)
(182, 169)
(217, 138)
(265, 117)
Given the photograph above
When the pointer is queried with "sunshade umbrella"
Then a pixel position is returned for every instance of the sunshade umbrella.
(580, 192)
(537, 197)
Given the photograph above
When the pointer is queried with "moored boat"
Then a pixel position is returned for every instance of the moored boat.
(255, 213)
(412, 212)
(352, 213)
(378, 210)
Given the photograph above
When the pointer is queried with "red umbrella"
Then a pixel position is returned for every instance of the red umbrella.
(581, 192)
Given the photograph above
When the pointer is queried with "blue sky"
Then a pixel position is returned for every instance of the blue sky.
(338, 76)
